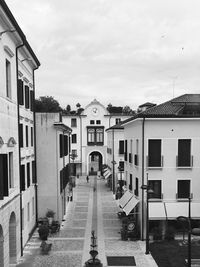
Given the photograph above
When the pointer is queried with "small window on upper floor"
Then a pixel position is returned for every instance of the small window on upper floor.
(91, 121)
(117, 120)
(8, 79)
(98, 122)
(73, 122)
(74, 138)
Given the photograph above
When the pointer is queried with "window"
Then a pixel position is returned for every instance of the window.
(155, 185)
(184, 153)
(125, 151)
(65, 145)
(22, 178)
(73, 122)
(26, 136)
(61, 141)
(23, 219)
(21, 135)
(31, 136)
(74, 138)
(98, 122)
(3, 175)
(28, 174)
(131, 149)
(131, 182)
(121, 165)
(31, 100)
(117, 120)
(91, 121)
(33, 205)
(33, 172)
(154, 153)
(136, 186)
(8, 79)
(20, 90)
(121, 147)
(74, 152)
(28, 212)
(183, 189)
(27, 95)
(11, 178)
(136, 158)
(95, 136)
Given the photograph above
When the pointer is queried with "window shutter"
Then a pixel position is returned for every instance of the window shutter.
(22, 178)
(20, 90)
(121, 146)
(154, 153)
(3, 175)
(28, 174)
(33, 172)
(61, 145)
(184, 148)
(65, 145)
(31, 100)
(27, 96)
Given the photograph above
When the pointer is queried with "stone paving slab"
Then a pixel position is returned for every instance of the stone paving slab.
(81, 209)
(70, 232)
(67, 244)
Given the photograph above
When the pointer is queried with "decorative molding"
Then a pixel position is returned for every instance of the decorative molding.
(22, 158)
(20, 74)
(27, 157)
(11, 142)
(30, 84)
(26, 119)
(26, 80)
(32, 155)
(1, 142)
(21, 117)
(8, 51)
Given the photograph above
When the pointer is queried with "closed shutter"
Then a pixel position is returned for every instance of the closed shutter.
(3, 175)
(31, 100)
(155, 153)
(27, 103)
(61, 145)
(21, 142)
(28, 174)
(20, 91)
(125, 152)
(33, 172)
(121, 146)
(184, 148)
(183, 188)
(22, 178)
(65, 145)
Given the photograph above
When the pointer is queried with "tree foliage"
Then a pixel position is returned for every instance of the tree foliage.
(120, 110)
(47, 104)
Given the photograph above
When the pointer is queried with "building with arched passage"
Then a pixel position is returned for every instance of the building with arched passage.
(89, 139)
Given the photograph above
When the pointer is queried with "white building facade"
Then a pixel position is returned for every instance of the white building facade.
(89, 140)
(164, 142)
(13, 49)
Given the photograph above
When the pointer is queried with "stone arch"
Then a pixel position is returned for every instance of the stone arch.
(12, 239)
(95, 161)
(1, 247)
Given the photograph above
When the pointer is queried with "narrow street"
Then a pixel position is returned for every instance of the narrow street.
(92, 208)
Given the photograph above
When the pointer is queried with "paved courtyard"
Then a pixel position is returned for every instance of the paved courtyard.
(93, 208)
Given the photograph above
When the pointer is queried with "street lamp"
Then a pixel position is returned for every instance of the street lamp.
(148, 192)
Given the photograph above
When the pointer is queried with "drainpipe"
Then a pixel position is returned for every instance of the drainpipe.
(143, 122)
(81, 145)
(113, 161)
(18, 119)
(63, 174)
(35, 151)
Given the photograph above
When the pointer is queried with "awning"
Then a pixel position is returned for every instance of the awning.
(125, 198)
(107, 174)
(157, 211)
(130, 205)
(181, 209)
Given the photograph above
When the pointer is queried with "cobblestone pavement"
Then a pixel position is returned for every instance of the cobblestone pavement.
(71, 246)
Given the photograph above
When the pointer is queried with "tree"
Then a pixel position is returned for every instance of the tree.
(47, 104)
(127, 110)
(68, 108)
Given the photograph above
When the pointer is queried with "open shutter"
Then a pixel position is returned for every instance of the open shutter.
(20, 91)
(27, 103)
(3, 175)
(31, 100)
(22, 178)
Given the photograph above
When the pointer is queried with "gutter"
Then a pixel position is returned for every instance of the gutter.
(143, 124)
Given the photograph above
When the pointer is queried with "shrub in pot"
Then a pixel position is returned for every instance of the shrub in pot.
(43, 232)
(50, 216)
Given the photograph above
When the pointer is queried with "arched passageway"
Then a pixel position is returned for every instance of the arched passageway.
(12, 239)
(1, 247)
(95, 162)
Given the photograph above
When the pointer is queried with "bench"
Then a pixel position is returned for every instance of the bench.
(194, 262)
(45, 247)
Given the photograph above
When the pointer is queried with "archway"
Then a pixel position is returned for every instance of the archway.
(95, 162)
(12, 239)
(1, 247)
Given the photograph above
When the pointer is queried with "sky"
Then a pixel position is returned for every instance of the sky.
(123, 52)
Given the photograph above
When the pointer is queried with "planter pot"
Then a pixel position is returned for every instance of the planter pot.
(50, 219)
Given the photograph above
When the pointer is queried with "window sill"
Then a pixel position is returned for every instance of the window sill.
(155, 168)
(182, 199)
(184, 167)
(155, 200)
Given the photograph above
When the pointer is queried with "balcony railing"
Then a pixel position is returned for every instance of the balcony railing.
(184, 163)
(154, 163)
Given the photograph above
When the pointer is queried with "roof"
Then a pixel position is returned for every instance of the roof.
(20, 32)
(116, 127)
(147, 104)
(187, 105)
(62, 126)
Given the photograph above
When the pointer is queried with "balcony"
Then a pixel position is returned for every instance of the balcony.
(154, 162)
(184, 162)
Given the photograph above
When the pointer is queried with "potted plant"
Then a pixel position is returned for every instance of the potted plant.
(50, 215)
(43, 232)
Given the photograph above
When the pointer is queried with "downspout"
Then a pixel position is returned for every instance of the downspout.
(34, 124)
(143, 122)
(113, 161)
(18, 119)
(81, 145)
(63, 174)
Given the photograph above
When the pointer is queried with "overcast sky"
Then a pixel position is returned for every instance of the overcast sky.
(124, 52)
